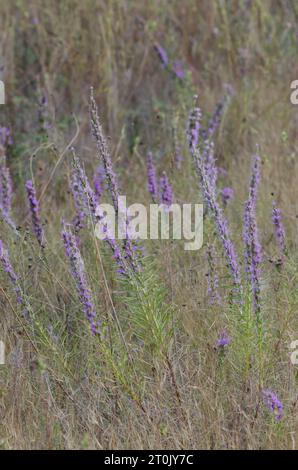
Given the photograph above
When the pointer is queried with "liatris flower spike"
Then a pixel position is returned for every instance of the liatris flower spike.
(273, 404)
(178, 69)
(5, 190)
(35, 213)
(78, 221)
(6, 196)
(103, 151)
(151, 177)
(193, 127)
(252, 247)
(98, 182)
(279, 230)
(79, 275)
(166, 193)
(212, 277)
(84, 195)
(223, 340)
(8, 269)
(163, 56)
(227, 194)
(215, 120)
(5, 137)
(207, 173)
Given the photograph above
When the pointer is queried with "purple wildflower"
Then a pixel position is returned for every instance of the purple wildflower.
(103, 151)
(178, 69)
(252, 247)
(212, 276)
(79, 205)
(151, 177)
(5, 190)
(210, 166)
(84, 196)
(207, 173)
(109, 238)
(223, 340)
(166, 193)
(98, 180)
(8, 269)
(6, 195)
(279, 228)
(111, 177)
(35, 213)
(5, 137)
(86, 205)
(273, 404)
(79, 275)
(222, 227)
(131, 247)
(215, 120)
(163, 57)
(193, 127)
(226, 195)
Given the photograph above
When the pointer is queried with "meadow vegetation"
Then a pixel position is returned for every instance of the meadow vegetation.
(122, 345)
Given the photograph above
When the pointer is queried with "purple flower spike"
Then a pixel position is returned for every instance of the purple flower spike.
(79, 204)
(5, 137)
(5, 189)
(151, 177)
(104, 152)
(110, 240)
(212, 276)
(111, 178)
(223, 340)
(207, 173)
(279, 228)
(84, 197)
(178, 69)
(8, 269)
(227, 194)
(6, 195)
(216, 117)
(79, 275)
(35, 213)
(98, 181)
(166, 193)
(252, 247)
(193, 127)
(163, 57)
(273, 404)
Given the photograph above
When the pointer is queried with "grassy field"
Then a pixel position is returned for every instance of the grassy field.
(122, 345)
